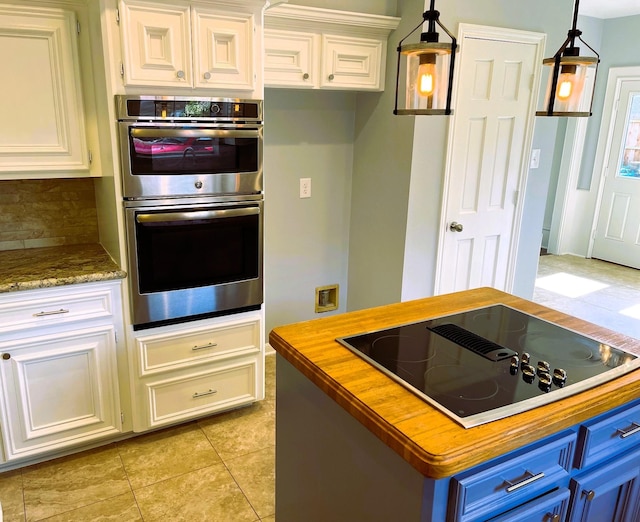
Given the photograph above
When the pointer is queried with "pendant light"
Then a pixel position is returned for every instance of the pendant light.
(572, 77)
(429, 70)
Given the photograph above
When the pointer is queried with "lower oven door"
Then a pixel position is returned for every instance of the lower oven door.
(194, 260)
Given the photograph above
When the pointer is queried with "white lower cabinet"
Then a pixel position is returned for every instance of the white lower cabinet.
(58, 372)
(193, 369)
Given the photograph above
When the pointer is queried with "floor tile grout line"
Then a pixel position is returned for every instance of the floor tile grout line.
(231, 473)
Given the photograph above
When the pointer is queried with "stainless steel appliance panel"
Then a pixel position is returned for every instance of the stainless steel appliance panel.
(173, 146)
(194, 257)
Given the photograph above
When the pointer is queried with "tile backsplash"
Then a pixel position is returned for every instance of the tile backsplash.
(49, 212)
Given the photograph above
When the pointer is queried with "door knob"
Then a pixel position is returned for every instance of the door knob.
(455, 227)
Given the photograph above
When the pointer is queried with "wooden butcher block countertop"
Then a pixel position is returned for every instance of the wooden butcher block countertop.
(427, 439)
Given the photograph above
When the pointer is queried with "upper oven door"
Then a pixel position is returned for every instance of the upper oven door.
(174, 160)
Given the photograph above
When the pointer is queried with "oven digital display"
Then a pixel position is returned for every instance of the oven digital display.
(197, 109)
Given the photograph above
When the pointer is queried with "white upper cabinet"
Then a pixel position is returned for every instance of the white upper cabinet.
(313, 48)
(192, 46)
(156, 44)
(42, 130)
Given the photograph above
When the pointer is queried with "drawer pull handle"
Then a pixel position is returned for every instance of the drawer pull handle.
(197, 395)
(204, 346)
(532, 478)
(52, 312)
(635, 428)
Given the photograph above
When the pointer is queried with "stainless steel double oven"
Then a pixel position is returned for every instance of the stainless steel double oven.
(193, 203)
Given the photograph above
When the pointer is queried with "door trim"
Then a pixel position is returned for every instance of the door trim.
(617, 76)
(482, 32)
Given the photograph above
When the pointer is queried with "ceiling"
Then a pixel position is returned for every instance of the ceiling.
(609, 8)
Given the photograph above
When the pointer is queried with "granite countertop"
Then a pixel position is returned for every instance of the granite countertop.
(33, 268)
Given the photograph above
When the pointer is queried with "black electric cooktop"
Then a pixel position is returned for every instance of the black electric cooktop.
(490, 363)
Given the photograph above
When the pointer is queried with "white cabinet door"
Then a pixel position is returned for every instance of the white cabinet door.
(58, 390)
(180, 45)
(291, 59)
(351, 63)
(42, 127)
(223, 49)
(156, 44)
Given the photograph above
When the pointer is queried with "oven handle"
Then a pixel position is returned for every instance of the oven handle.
(194, 133)
(164, 217)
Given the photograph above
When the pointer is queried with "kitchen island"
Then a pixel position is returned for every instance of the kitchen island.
(353, 444)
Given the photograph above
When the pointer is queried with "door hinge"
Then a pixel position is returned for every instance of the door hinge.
(115, 334)
(77, 27)
(118, 16)
(90, 157)
(122, 69)
(122, 417)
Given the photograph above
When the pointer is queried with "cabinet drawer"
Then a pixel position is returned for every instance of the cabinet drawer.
(512, 480)
(605, 437)
(544, 509)
(184, 397)
(180, 349)
(45, 308)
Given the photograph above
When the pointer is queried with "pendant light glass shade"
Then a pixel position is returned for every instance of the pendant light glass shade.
(425, 71)
(571, 78)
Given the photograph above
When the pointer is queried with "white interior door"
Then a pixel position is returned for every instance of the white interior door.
(617, 236)
(488, 152)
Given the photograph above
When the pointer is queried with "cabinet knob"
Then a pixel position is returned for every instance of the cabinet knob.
(305, 76)
(589, 494)
(207, 75)
(553, 517)
(331, 77)
(6, 356)
(180, 74)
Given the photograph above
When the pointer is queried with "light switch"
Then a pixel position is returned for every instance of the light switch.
(535, 159)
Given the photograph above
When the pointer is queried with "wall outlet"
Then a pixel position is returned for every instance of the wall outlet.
(305, 187)
(535, 159)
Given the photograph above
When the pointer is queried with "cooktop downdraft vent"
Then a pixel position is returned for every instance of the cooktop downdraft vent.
(475, 343)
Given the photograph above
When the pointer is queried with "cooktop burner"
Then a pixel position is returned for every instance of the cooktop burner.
(489, 363)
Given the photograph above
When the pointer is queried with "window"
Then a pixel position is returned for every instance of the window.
(630, 163)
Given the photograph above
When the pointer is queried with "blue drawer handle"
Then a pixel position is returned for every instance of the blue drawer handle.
(532, 478)
(635, 428)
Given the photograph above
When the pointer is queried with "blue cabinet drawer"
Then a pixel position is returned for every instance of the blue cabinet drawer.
(607, 436)
(548, 508)
(505, 483)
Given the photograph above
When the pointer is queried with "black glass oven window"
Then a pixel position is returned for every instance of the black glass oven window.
(192, 155)
(173, 255)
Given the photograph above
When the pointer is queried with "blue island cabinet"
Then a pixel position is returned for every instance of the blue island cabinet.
(330, 467)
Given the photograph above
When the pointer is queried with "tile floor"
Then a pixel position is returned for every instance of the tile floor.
(602, 293)
(220, 468)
